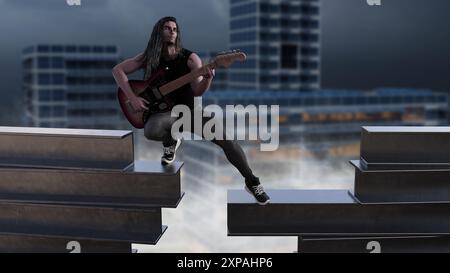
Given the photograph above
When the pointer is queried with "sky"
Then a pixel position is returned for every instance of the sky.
(402, 43)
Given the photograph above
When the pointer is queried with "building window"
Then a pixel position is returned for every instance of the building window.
(58, 79)
(111, 49)
(269, 36)
(309, 65)
(58, 95)
(267, 50)
(308, 78)
(309, 23)
(44, 79)
(59, 124)
(268, 65)
(57, 48)
(249, 63)
(311, 51)
(98, 49)
(289, 37)
(289, 56)
(44, 95)
(311, 10)
(71, 49)
(268, 79)
(269, 8)
(57, 62)
(85, 49)
(243, 77)
(244, 9)
(58, 111)
(267, 22)
(45, 124)
(248, 49)
(43, 62)
(243, 23)
(309, 37)
(44, 111)
(243, 36)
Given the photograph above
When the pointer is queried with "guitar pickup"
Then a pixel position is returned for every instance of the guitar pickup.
(156, 93)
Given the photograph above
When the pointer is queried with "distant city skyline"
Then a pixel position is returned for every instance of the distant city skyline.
(402, 43)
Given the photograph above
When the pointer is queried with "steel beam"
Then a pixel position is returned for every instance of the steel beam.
(146, 184)
(405, 147)
(383, 186)
(331, 212)
(83, 222)
(66, 148)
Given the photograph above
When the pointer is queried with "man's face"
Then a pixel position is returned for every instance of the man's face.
(170, 32)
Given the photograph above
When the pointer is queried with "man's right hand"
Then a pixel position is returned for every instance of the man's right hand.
(138, 103)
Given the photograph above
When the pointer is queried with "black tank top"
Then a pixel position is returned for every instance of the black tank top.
(174, 69)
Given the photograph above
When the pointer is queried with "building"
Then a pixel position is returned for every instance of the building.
(71, 86)
(281, 39)
(318, 124)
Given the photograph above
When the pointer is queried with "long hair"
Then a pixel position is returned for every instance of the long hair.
(156, 44)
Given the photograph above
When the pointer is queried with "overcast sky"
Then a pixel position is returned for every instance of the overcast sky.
(402, 43)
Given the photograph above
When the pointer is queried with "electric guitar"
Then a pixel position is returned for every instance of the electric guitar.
(155, 90)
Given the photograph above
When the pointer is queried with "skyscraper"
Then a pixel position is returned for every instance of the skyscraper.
(281, 39)
(71, 86)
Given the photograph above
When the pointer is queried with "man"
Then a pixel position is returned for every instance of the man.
(164, 50)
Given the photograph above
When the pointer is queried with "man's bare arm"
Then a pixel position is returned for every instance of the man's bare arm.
(120, 73)
(201, 84)
(124, 68)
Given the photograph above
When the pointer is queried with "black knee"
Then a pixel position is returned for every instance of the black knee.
(150, 135)
(153, 132)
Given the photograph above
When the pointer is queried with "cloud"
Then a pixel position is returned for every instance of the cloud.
(127, 23)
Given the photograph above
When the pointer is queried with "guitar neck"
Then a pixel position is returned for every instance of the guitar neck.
(188, 78)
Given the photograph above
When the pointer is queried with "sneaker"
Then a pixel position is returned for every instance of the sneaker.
(169, 153)
(258, 193)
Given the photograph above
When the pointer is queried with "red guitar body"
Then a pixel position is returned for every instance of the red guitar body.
(149, 91)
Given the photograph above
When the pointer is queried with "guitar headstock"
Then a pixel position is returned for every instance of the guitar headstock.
(227, 58)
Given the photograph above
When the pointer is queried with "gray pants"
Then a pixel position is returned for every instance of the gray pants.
(158, 127)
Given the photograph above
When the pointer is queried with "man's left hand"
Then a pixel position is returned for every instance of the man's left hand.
(210, 73)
